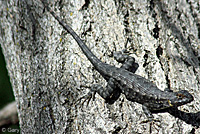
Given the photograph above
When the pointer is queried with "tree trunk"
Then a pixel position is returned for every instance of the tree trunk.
(49, 72)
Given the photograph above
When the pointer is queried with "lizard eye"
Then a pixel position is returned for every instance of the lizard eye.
(180, 96)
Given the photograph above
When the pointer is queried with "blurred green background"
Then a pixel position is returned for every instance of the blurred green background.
(6, 93)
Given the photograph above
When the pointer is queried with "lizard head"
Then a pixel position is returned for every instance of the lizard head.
(182, 97)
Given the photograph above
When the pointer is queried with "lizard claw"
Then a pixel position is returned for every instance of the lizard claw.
(87, 97)
(153, 123)
(150, 120)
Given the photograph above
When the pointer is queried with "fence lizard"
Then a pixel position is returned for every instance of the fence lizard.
(124, 80)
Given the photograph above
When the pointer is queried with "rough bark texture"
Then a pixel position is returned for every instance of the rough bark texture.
(49, 72)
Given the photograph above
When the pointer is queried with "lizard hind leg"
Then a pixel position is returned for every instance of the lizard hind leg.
(110, 93)
(128, 62)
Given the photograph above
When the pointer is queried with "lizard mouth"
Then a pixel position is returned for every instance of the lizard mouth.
(183, 97)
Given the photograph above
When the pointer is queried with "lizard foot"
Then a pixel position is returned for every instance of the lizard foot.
(152, 123)
(87, 98)
(91, 94)
(150, 117)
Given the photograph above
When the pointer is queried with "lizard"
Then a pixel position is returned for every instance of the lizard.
(124, 80)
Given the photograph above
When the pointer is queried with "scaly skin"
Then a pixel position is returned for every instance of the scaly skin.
(122, 80)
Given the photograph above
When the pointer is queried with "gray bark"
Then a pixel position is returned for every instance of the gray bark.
(49, 72)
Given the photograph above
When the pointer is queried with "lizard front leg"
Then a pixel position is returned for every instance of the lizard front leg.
(147, 113)
(150, 117)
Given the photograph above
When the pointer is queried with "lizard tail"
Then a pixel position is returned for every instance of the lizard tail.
(91, 57)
